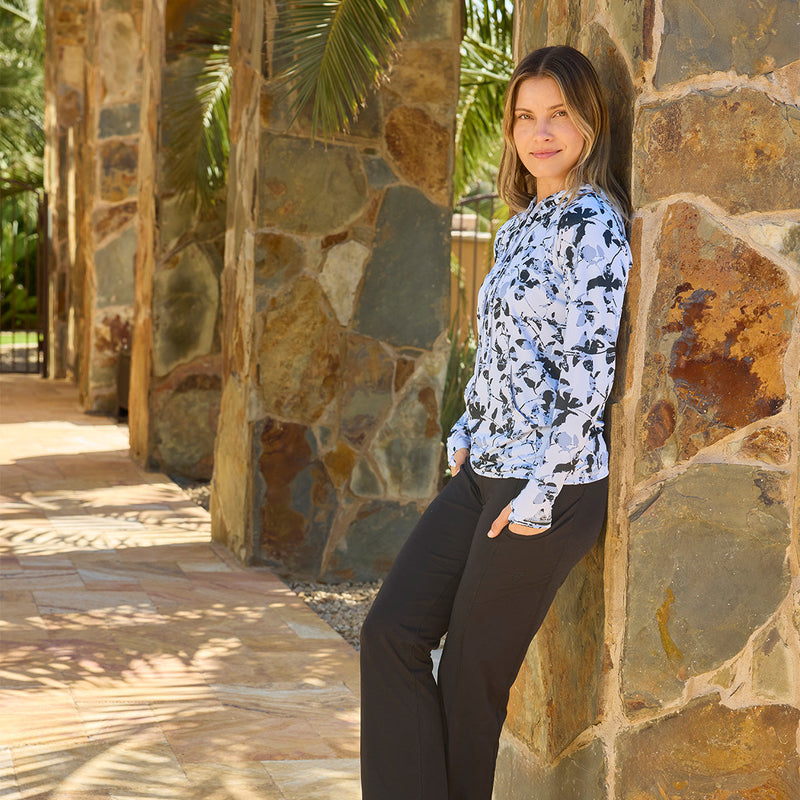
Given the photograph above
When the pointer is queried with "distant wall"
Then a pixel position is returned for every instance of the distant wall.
(669, 666)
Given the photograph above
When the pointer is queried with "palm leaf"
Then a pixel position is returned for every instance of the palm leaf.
(330, 53)
(196, 96)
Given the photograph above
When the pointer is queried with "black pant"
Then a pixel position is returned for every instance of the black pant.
(420, 741)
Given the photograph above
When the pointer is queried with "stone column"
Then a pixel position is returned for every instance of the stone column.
(335, 304)
(679, 674)
(65, 105)
(108, 154)
(175, 386)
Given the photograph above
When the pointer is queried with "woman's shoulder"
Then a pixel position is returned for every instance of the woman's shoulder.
(590, 208)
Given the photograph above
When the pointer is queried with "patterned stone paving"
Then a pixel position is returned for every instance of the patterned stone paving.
(138, 659)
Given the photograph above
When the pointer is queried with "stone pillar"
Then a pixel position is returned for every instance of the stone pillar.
(335, 304)
(107, 161)
(175, 386)
(66, 28)
(674, 669)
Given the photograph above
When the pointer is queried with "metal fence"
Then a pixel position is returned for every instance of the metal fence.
(23, 278)
(475, 223)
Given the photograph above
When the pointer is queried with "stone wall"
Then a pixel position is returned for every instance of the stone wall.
(669, 666)
(93, 105)
(176, 382)
(335, 297)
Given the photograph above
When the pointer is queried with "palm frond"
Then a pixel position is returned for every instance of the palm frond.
(332, 52)
(486, 65)
(196, 96)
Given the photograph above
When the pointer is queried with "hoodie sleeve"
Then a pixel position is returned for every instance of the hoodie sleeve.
(594, 258)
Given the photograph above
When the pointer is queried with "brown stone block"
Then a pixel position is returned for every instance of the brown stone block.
(772, 445)
(298, 504)
(119, 162)
(709, 752)
(340, 462)
(299, 354)
(111, 219)
(739, 148)
(720, 323)
(420, 149)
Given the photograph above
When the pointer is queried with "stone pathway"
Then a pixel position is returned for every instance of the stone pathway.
(138, 660)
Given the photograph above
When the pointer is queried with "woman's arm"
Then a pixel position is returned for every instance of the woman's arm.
(595, 260)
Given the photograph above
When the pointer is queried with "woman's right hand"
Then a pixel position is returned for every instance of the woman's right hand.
(459, 457)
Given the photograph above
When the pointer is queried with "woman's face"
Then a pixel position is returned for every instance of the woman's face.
(547, 141)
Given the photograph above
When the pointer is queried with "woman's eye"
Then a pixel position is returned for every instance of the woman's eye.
(560, 113)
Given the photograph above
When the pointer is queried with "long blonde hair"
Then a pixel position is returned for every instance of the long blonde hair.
(583, 98)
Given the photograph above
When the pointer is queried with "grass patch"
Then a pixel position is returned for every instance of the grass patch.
(19, 337)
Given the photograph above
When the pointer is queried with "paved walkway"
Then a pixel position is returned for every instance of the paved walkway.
(138, 659)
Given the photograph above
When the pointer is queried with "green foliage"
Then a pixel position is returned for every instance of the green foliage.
(486, 66)
(196, 97)
(335, 52)
(19, 240)
(21, 90)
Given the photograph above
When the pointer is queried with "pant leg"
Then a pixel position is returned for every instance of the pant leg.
(507, 587)
(402, 740)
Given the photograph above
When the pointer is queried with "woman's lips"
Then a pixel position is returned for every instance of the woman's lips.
(545, 153)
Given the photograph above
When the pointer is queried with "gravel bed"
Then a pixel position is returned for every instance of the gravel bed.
(343, 605)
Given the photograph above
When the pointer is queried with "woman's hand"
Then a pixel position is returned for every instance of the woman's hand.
(502, 521)
(459, 457)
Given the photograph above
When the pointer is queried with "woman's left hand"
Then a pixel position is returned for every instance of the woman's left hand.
(502, 521)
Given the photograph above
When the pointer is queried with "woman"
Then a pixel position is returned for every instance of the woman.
(528, 496)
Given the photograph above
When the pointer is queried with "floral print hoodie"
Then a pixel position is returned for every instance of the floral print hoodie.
(548, 318)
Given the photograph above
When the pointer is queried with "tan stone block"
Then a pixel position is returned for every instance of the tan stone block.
(420, 148)
(739, 148)
(708, 751)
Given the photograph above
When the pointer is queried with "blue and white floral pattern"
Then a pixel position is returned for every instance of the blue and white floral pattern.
(548, 318)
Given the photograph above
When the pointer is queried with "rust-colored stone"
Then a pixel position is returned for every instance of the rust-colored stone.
(419, 147)
(112, 219)
(403, 371)
(772, 445)
(423, 73)
(720, 324)
(339, 463)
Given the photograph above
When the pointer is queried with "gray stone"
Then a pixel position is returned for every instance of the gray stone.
(120, 120)
(379, 173)
(185, 426)
(707, 567)
(185, 309)
(519, 775)
(405, 295)
(119, 165)
(114, 266)
(774, 676)
(364, 482)
(702, 36)
(432, 20)
(310, 189)
(372, 542)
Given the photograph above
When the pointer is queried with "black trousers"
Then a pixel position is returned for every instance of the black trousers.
(423, 741)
